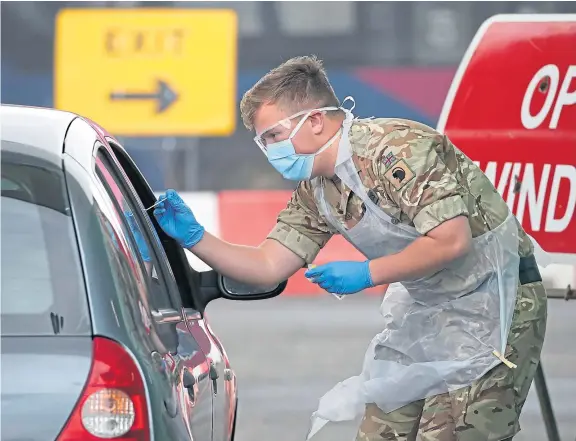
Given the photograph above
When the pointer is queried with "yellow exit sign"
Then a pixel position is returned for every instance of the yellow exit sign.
(148, 72)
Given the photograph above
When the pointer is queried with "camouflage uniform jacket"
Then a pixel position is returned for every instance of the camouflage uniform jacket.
(412, 172)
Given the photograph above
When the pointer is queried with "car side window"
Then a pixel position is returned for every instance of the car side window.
(134, 289)
(137, 231)
(127, 276)
(179, 270)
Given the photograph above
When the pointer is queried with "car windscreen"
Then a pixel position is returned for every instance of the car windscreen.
(42, 288)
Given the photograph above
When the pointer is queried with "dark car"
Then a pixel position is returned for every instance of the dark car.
(102, 318)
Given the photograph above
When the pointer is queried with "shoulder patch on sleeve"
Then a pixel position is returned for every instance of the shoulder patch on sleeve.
(389, 160)
(399, 174)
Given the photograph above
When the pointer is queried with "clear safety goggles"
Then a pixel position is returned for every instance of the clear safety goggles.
(266, 137)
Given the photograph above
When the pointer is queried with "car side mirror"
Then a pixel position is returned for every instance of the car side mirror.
(235, 290)
(215, 286)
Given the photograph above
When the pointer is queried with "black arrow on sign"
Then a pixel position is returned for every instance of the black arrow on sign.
(164, 96)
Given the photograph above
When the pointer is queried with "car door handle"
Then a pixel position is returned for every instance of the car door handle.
(214, 376)
(189, 381)
(163, 316)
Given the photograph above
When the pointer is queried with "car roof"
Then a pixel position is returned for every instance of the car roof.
(34, 130)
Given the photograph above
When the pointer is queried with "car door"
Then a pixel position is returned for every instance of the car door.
(180, 365)
(220, 374)
(224, 402)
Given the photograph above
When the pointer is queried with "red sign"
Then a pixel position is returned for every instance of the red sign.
(512, 109)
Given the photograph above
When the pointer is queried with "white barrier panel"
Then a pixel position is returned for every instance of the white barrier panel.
(558, 276)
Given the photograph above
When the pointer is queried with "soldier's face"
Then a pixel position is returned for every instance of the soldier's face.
(307, 140)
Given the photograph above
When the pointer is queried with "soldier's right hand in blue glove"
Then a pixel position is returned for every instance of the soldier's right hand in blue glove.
(177, 220)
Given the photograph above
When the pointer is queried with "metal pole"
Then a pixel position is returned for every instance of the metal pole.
(546, 405)
(192, 164)
(168, 146)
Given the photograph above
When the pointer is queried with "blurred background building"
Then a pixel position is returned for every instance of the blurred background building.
(395, 58)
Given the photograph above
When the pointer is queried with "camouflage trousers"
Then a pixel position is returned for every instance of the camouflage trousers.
(489, 409)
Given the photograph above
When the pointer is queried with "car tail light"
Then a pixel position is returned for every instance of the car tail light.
(113, 402)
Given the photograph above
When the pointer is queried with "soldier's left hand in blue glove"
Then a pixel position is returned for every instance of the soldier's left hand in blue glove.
(342, 277)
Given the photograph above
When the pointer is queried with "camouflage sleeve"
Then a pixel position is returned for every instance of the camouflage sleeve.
(416, 178)
(300, 227)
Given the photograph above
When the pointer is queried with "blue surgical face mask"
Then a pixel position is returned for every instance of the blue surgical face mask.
(291, 165)
(283, 156)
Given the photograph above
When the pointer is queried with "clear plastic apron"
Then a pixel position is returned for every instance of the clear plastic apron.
(440, 331)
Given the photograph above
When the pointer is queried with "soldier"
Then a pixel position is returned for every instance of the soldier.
(463, 336)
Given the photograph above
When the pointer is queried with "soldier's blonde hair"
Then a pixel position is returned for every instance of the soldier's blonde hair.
(297, 84)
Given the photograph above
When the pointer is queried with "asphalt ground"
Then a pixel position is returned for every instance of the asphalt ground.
(288, 351)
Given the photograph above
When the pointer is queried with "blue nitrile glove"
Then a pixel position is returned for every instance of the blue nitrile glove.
(177, 220)
(140, 242)
(342, 277)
